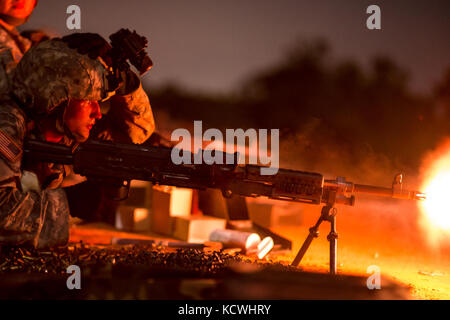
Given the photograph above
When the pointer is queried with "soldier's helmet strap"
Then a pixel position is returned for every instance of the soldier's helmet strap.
(60, 123)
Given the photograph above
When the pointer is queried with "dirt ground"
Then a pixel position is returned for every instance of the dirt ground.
(375, 232)
(385, 234)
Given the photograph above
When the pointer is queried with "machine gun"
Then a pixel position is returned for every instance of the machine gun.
(121, 163)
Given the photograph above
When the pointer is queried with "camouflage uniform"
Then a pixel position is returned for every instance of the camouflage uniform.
(12, 47)
(47, 76)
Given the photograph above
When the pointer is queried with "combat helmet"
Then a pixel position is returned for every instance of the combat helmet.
(52, 73)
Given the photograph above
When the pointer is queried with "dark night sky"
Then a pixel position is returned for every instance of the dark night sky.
(214, 45)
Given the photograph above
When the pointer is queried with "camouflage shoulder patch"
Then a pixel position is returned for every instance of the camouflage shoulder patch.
(8, 148)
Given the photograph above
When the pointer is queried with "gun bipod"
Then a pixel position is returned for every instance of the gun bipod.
(328, 214)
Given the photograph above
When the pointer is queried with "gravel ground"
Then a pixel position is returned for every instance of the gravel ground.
(145, 272)
(56, 260)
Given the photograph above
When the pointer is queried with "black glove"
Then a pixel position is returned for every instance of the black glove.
(95, 201)
(84, 200)
(95, 46)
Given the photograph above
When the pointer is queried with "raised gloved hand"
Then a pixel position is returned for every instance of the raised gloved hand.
(94, 46)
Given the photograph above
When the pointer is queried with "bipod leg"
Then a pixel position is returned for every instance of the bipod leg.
(332, 238)
(313, 233)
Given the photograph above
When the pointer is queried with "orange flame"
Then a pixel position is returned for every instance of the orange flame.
(436, 184)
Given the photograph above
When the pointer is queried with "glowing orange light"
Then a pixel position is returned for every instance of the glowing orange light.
(436, 207)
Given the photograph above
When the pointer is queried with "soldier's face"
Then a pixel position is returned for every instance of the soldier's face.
(17, 8)
(80, 117)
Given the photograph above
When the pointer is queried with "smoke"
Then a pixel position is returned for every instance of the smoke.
(318, 148)
(166, 124)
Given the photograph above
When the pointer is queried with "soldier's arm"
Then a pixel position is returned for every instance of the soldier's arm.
(7, 62)
(32, 217)
(4, 77)
(130, 117)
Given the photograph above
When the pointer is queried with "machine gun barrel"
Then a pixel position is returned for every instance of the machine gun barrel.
(396, 192)
(389, 192)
